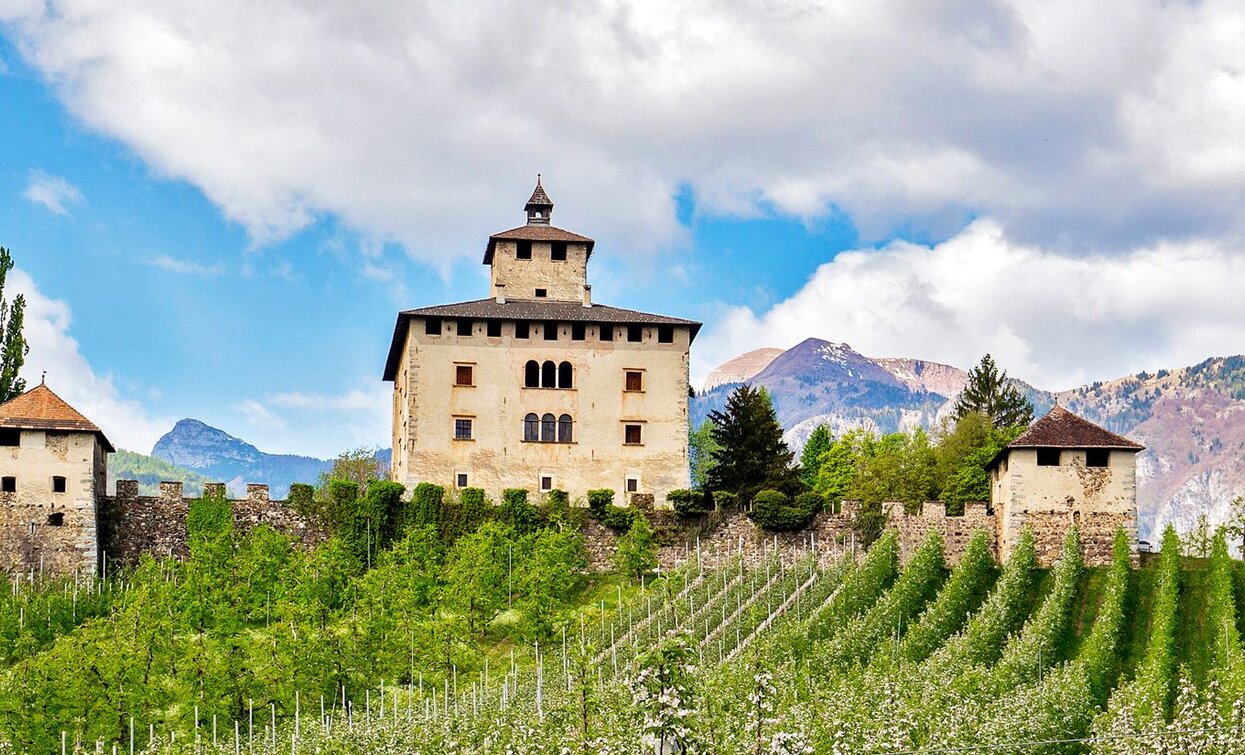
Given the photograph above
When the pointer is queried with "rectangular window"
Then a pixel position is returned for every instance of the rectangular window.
(578, 331)
(1048, 457)
(462, 429)
(523, 250)
(10, 436)
(550, 329)
(432, 326)
(606, 332)
(464, 374)
(1097, 457)
(494, 328)
(542, 293)
(557, 252)
(56, 519)
(633, 484)
(8, 485)
(632, 435)
(522, 329)
(665, 334)
(464, 327)
(635, 380)
(58, 484)
(546, 483)
(461, 480)
(635, 333)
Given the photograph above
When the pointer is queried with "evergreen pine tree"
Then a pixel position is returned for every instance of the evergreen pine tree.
(13, 348)
(810, 459)
(751, 455)
(988, 392)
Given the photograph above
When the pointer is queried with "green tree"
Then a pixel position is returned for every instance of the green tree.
(989, 392)
(13, 347)
(636, 553)
(810, 458)
(1236, 521)
(839, 464)
(700, 449)
(962, 454)
(358, 465)
(547, 573)
(477, 575)
(752, 455)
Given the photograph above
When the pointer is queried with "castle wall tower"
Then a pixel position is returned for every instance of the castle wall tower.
(53, 473)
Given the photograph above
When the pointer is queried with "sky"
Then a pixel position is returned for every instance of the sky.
(217, 209)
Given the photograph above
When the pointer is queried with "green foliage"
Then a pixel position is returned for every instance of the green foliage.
(815, 447)
(358, 465)
(860, 589)
(961, 595)
(990, 393)
(690, 502)
(962, 455)
(751, 455)
(516, 512)
(636, 551)
(13, 347)
(701, 447)
(616, 518)
(724, 499)
(556, 507)
(426, 503)
(550, 571)
(773, 511)
(600, 498)
(478, 574)
(302, 498)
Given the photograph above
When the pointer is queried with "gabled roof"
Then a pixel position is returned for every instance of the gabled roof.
(535, 233)
(526, 309)
(41, 409)
(1063, 429)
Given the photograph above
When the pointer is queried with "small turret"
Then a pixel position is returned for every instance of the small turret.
(539, 207)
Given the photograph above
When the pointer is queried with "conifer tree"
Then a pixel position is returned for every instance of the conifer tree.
(810, 459)
(13, 348)
(751, 455)
(988, 392)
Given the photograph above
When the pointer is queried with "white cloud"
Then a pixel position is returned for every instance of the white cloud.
(52, 192)
(186, 267)
(1050, 318)
(1112, 123)
(47, 329)
(354, 418)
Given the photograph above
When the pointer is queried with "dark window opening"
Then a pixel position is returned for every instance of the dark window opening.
(460, 480)
(523, 250)
(606, 332)
(635, 380)
(548, 375)
(565, 375)
(10, 436)
(531, 374)
(633, 485)
(1048, 457)
(494, 328)
(8, 485)
(58, 484)
(578, 331)
(57, 519)
(565, 426)
(542, 293)
(546, 483)
(462, 429)
(550, 329)
(531, 427)
(665, 334)
(635, 333)
(522, 329)
(557, 252)
(632, 435)
(464, 327)
(548, 429)
(463, 374)
(1097, 457)
(432, 326)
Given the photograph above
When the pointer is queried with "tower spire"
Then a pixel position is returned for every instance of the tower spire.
(539, 207)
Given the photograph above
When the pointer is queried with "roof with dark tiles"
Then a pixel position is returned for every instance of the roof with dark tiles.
(1063, 429)
(535, 233)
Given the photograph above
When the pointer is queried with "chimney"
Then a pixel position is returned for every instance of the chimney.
(500, 292)
(587, 295)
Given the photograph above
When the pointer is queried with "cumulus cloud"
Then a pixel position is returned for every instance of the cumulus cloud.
(1100, 125)
(1051, 318)
(351, 419)
(186, 267)
(124, 420)
(52, 192)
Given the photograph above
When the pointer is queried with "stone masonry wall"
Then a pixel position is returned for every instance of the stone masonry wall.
(132, 525)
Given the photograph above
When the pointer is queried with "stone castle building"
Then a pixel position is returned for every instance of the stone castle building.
(537, 386)
(53, 473)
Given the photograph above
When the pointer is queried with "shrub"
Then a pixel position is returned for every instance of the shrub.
(302, 498)
(556, 506)
(690, 502)
(426, 505)
(617, 518)
(723, 499)
(516, 512)
(472, 497)
(773, 511)
(598, 499)
(637, 550)
(810, 501)
(464, 517)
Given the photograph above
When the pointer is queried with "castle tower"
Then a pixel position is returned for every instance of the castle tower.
(1065, 470)
(537, 387)
(53, 471)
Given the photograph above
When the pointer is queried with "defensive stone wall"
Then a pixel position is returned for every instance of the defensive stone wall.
(956, 531)
(132, 525)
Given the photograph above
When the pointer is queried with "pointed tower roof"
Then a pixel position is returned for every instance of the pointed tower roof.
(539, 201)
(41, 409)
(539, 208)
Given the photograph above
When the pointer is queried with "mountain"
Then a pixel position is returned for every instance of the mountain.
(1191, 419)
(740, 368)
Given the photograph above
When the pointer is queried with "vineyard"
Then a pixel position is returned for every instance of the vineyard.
(801, 652)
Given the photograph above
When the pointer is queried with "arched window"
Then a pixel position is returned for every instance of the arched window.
(548, 375)
(564, 429)
(565, 374)
(548, 426)
(531, 374)
(531, 427)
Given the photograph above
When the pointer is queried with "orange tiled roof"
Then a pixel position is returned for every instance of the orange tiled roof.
(41, 409)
